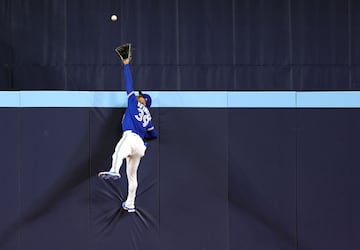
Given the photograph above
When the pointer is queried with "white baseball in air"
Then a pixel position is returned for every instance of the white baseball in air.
(113, 18)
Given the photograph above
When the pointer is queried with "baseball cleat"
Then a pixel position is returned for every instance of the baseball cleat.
(109, 175)
(129, 209)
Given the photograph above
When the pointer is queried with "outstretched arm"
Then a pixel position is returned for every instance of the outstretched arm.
(126, 61)
(128, 78)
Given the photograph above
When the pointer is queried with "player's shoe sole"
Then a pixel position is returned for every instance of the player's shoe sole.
(129, 209)
(109, 175)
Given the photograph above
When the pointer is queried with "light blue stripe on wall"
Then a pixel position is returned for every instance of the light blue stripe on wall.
(336, 99)
(189, 99)
(56, 99)
(263, 99)
(185, 99)
(9, 99)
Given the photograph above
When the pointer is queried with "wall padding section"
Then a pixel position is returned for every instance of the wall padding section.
(10, 179)
(215, 179)
(193, 179)
(262, 178)
(328, 172)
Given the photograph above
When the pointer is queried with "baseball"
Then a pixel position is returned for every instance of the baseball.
(113, 18)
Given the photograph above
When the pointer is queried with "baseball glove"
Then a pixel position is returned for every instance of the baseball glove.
(124, 51)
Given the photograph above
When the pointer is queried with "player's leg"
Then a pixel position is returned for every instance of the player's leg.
(122, 150)
(132, 165)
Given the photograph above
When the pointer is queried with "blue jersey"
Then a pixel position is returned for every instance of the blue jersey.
(137, 117)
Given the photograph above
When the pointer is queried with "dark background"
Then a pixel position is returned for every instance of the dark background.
(181, 44)
(239, 179)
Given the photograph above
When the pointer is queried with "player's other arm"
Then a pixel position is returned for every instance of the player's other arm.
(151, 133)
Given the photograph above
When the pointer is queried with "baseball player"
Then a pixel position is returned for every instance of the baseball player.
(137, 127)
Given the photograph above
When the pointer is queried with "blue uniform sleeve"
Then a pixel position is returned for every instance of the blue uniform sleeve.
(128, 79)
(129, 84)
(151, 133)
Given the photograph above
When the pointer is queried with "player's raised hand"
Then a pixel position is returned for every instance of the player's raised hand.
(124, 51)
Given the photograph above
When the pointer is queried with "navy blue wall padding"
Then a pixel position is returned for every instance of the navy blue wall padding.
(54, 178)
(262, 178)
(193, 179)
(328, 175)
(9, 179)
(215, 179)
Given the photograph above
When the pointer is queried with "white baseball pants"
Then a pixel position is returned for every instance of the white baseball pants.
(130, 147)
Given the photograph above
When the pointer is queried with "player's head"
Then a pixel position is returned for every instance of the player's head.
(144, 98)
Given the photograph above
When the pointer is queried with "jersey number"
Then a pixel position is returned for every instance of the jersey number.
(143, 117)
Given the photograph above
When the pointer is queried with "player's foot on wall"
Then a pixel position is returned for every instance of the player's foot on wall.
(109, 175)
(129, 209)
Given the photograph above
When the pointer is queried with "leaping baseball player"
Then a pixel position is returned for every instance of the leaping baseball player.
(137, 127)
